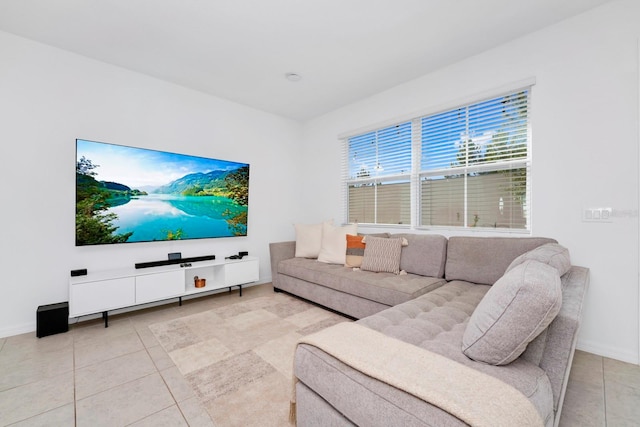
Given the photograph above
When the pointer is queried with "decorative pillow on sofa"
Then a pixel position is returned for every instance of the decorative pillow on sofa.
(334, 243)
(555, 255)
(355, 248)
(517, 308)
(382, 254)
(309, 239)
(355, 251)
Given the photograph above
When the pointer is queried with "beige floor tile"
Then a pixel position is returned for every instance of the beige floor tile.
(35, 367)
(147, 337)
(96, 351)
(170, 417)
(587, 368)
(263, 289)
(583, 405)
(29, 400)
(102, 376)
(199, 303)
(157, 314)
(59, 417)
(178, 386)
(622, 404)
(621, 372)
(195, 413)
(27, 346)
(160, 357)
(85, 333)
(125, 404)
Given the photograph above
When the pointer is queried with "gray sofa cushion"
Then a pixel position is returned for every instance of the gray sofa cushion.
(386, 288)
(553, 254)
(517, 308)
(425, 255)
(436, 321)
(484, 260)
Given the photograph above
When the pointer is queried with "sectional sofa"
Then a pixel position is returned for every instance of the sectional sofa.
(433, 346)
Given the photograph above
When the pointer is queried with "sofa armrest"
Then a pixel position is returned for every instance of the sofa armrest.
(280, 251)
(562, 334)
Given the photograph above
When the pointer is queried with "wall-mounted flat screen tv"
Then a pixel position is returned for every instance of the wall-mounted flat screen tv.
(127, 194)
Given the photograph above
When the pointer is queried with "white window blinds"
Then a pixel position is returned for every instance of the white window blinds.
(475, 163)
(470, 165)
(379, 176)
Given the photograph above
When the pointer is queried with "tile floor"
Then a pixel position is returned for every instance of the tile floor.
(92, 376)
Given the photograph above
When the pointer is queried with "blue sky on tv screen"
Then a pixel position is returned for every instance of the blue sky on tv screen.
(138, 167)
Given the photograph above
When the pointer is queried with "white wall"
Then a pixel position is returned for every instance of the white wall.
(48, 98)
(585, 150)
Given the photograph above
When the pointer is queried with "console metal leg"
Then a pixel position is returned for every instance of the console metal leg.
(180, 301)
(239, 286)
(105, 316)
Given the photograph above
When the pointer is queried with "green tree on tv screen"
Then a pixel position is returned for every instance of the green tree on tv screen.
(93, 224)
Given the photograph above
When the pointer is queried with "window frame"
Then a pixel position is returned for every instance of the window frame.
(416, 176)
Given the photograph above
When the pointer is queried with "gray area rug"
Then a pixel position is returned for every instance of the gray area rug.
(238, 357)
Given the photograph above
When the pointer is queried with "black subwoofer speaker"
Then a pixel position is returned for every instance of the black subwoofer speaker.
(52, 319)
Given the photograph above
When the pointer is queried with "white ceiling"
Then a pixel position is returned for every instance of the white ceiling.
(345, 50)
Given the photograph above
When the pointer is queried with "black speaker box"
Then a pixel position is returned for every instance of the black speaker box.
(52, 319)
(80, 272)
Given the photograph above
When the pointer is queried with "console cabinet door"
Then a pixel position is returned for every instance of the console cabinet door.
(158, 286)
(238, 273)
(102, 295)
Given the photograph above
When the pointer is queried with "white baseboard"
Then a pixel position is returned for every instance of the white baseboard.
(610, 352)
(18, 329)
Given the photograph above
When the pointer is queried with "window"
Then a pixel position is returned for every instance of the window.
(380, 176)
(470, 166)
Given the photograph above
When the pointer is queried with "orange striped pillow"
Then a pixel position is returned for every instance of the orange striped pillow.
(355, 251)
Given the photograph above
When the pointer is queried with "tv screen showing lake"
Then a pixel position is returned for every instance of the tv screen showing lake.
(126, 194)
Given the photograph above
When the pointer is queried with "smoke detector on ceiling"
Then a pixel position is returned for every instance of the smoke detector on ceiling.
(293, 77)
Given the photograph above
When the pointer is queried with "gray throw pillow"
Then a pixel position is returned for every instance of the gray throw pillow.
(382, 255)
(555, 255)
(517, 308)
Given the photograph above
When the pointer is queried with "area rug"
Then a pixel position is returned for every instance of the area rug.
(238, 357)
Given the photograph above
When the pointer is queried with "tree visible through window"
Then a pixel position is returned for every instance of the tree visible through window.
(471, 165)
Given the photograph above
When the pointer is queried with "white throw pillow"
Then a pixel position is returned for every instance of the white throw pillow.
(309, 239)
(334, 243)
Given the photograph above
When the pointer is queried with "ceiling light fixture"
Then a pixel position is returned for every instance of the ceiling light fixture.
(293, 77)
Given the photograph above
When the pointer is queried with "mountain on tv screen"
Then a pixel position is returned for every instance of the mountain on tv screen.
(126, 194)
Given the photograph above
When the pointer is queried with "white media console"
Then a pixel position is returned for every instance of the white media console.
(101, 292)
